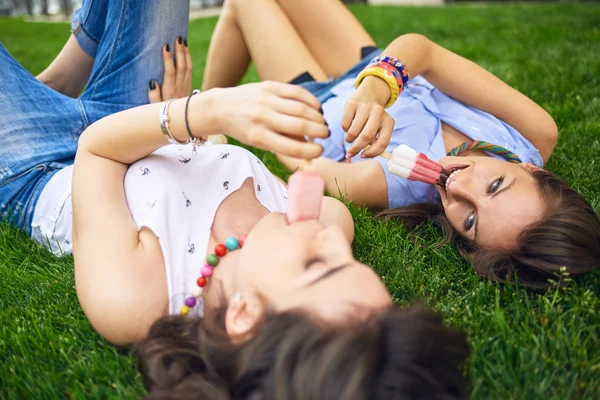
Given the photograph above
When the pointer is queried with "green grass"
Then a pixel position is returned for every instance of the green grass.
(524, 345)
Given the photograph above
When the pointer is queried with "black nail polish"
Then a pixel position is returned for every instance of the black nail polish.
(185, 42)
(326, 124)
(328, 133)
(180, 40)
(168, 48)
(321, 109)
(152, 85)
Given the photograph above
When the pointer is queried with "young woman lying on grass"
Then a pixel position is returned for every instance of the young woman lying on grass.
(510, 218)
(163, 234)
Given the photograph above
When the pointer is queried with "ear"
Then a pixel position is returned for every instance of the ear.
(531, 168)
(243, 313)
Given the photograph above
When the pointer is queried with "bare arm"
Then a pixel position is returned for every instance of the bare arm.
(469, 83)
(119, 270)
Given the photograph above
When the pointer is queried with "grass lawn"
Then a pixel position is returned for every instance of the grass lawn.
(524, 345)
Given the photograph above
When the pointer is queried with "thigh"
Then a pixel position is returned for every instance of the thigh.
(129, 53)
(276, 48)
(39, 131)
(330, 31)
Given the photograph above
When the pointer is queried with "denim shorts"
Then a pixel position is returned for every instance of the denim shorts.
(322, 90)
(40, 127)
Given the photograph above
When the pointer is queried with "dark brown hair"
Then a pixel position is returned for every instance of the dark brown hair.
(568, 235)
(395, 354)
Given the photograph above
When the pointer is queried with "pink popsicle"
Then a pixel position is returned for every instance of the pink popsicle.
(425, 170)
(408, 163)
(305, 193)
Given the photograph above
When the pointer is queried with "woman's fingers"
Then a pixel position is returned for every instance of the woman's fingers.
(282, 144)
(368, 134)
(382, 139)
(180, 67)
(349, 113)
(295, 126)
(295, 108)
(292, 92)
(360, 119)
(188, 68)
(169, 77)
(154, 95)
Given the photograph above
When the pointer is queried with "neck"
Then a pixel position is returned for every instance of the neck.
(237, 215)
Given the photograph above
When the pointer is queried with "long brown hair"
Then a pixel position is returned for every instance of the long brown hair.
(567, 236)
(396, 354)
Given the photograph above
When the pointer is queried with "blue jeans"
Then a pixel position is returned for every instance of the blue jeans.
(40, 128)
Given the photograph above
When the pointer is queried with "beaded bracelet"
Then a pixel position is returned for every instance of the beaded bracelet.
(391, 70)
(396, 64)
(212, 260)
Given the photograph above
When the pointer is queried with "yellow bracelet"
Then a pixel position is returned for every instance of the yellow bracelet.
(386, 76)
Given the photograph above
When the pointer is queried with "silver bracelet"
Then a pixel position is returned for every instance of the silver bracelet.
(164, 123)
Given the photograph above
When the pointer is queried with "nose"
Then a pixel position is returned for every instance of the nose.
(462, 188)
(333, 244)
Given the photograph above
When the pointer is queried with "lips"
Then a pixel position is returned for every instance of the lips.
(453, 170)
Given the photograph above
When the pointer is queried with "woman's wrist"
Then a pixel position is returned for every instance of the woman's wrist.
(202, 120)
(375, 88)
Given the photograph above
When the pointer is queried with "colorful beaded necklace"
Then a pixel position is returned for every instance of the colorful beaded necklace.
(485, 146)
(212, 260)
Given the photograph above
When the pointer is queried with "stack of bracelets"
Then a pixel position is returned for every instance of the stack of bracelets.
(391, 70)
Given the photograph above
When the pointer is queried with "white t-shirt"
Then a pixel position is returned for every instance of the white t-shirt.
(175, 192)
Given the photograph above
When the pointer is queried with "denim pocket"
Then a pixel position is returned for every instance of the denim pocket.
(40, 167)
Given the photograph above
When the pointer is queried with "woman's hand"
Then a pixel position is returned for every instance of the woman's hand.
(269, 115)
(177, 81)
(365, 120)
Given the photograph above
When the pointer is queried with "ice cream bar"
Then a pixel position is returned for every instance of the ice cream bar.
(305, 193)
(408, 163)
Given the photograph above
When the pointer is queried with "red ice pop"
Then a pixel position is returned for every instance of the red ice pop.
(408, 163)
(305, 193)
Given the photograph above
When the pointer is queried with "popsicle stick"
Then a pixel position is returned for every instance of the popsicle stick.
(308, 162)
(385, 154)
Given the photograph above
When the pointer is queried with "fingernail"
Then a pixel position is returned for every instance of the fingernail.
(180, 40)
(328, 133)
(348, 156)
(321, 109)
(362, 155)
(152, 85)
(185, 43)
(168, 48)
(326, 124)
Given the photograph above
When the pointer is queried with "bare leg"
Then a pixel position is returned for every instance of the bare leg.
(276, 48)
(331, 32)
(70, 70)
(228, 56)
(363, 183)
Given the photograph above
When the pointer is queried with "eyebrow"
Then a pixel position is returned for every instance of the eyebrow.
(506, 187)
(327, 274)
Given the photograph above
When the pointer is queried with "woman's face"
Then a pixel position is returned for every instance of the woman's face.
(308, 266)
(490, 201)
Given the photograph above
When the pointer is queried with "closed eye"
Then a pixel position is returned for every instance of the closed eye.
(312, 262)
